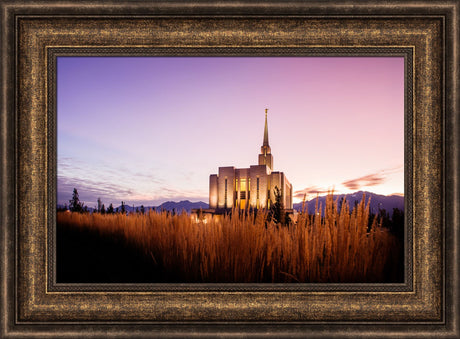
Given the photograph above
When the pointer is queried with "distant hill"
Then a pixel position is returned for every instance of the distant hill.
(185, 205)
(182, 205)
(386, 202)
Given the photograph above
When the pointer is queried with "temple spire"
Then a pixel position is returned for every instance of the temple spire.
(266, 129)
(265, 157)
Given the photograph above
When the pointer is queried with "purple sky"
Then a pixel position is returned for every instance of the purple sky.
(149, 130)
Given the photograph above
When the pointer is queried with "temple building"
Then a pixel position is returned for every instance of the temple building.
(251, 187)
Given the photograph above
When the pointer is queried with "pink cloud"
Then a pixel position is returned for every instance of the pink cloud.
(373, 179)
(309, 191)
(367, 180)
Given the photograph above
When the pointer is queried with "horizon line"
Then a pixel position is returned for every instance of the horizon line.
(201, 201)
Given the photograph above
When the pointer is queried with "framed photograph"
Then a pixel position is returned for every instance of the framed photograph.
(227, 170)
(152, 152)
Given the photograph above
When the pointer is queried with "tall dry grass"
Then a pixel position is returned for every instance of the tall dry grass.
(338, 247)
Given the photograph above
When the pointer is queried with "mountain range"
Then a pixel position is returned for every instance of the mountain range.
(377, 201)
(185, 205)
(178, 207)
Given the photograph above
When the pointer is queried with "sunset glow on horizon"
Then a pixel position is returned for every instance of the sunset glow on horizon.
(146, 130)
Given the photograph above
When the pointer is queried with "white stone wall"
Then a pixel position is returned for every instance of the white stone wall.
(213, 191)
(266, 160)
(261, 172)
(229, 174)
(267, 183)
(287, 194)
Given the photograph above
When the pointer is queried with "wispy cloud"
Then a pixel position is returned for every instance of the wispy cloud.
(90, 190)
(368, 180)
(75, 168)
(372, 179)
(111, 192)
(365, 181)
(312, 190)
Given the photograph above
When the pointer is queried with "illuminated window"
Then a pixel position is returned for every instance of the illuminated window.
(257, 188)
(243, 185)
(225, 193)
(242, 189)
(235, 193)
(257, 197)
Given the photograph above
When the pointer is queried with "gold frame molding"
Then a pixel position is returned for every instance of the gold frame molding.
(34, 33)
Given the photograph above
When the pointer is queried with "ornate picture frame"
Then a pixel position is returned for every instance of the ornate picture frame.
(34, 34)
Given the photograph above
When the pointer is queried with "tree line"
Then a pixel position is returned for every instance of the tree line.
(75, 205)
(276, 212)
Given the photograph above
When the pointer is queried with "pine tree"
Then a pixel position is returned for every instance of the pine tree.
(74, 204)
(99, 204)
(277, 213)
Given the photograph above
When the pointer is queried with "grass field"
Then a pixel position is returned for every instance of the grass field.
(160, 247)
